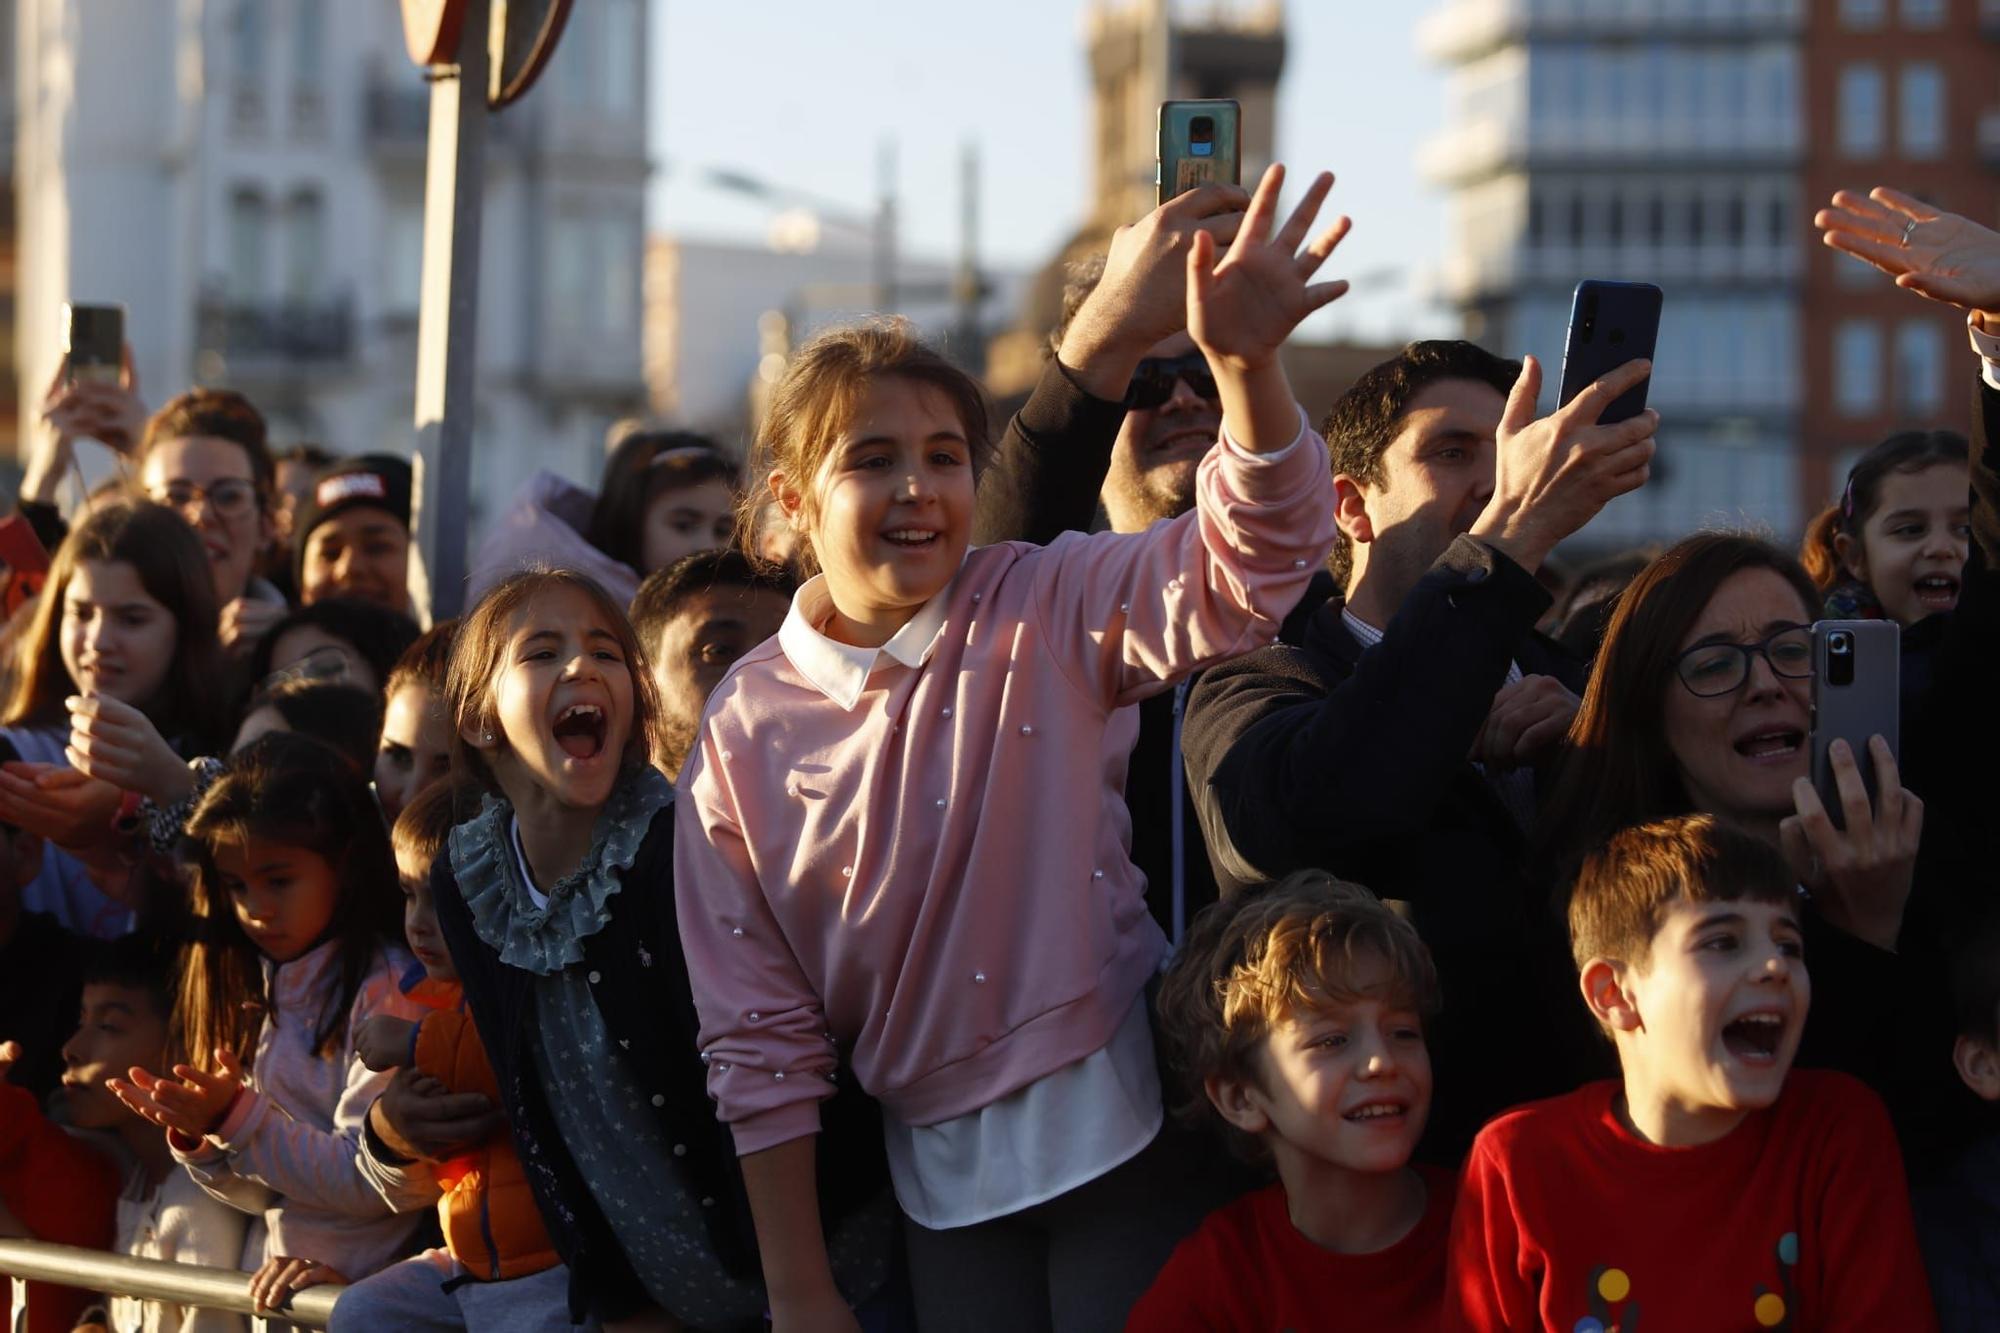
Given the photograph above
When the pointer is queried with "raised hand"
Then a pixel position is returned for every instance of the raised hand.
(116, 743)
(1142, 296)
(1553, 474)
(1860, 875)
(194, 1106)
(112, 414)
(1926, 250)
(1241, 308)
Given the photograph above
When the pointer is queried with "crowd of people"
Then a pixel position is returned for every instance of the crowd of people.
(1168, 866)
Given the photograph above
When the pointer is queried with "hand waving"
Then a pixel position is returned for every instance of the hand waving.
(1241, 309)
(1926, 250)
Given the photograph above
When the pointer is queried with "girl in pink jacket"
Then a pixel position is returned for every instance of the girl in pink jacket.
(901, 852)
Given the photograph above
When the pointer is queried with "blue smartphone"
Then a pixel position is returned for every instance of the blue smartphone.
(1610, 323)
(1200, 144)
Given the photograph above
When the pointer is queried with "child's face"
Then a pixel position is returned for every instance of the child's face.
(120, 1027)
(562, 700)
(116, 640)
(893, 510)
(1913, 547)
(284, 896)
(420, 923)
(1346, 1083)
(685, 521)
(1719, 1007)
(415, 750)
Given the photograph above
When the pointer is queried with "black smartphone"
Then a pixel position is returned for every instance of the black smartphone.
(1201, 143)
(1856, 693)
(1610, 323)
(94, 342)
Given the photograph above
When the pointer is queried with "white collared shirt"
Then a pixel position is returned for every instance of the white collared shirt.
(841, 670)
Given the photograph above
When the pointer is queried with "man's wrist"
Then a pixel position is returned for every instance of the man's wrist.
(1099, 360)
(1511, 540)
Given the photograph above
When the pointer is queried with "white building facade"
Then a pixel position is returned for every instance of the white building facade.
(247, 176)
(1655, 142)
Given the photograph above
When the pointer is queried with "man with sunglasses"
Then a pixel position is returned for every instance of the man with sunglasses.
(1121, 418)
(1393, 742)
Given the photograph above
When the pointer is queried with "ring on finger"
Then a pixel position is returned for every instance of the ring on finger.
(1908, 227)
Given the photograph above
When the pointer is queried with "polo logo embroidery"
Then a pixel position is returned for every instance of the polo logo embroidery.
(351, 486)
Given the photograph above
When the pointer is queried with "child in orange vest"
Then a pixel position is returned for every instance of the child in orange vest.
(499, 1267)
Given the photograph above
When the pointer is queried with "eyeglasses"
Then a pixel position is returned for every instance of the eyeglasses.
(1153, 381)
(1713, 669)
(231, 497)
(326, 663)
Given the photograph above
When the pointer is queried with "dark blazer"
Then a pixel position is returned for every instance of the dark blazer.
(639, 975)
(1323, 756)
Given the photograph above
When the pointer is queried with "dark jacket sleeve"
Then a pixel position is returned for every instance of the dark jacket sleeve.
(47, 522)
(1289, 764)
(1045, 477)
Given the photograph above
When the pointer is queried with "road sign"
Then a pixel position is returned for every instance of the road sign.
(524, 34)
(431, 28)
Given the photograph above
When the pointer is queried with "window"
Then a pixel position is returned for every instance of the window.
(1861, 110)
(1863, 13)
(248, 226)
(1614, 220)
(305, 243)
(246, 42)
(1576, 220)
(1779, 221)
(1656, 220)
(1920, 368)
(1923, 13)
(1857, 368)
(1920, 111)
(1534, 219)
(308, 44)
(1694, 221)
(1732, 219)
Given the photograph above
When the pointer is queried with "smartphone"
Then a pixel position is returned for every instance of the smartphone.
(1610, 323)
(1856, 693)
(1201, 143)
(94, 342)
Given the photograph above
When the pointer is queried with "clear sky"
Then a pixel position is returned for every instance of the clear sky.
(800, 92)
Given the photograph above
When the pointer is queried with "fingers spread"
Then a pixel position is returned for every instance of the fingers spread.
(1907, 205)
(1296, 227)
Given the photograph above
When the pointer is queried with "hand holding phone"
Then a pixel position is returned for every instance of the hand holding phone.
(1856, 696)
(1610, 324)
(1200, 144)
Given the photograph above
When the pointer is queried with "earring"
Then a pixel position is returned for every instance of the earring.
(486, 738)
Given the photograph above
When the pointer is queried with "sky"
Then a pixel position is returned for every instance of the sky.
(799, 93)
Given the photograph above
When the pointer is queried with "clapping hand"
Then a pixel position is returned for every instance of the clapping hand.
(193, 1103)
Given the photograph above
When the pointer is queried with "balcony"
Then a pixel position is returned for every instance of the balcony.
(253, 336)
(1466, 278)
(1472, 150)
(1464, 30)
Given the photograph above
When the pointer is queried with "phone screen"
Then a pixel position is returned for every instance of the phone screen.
(94, 342)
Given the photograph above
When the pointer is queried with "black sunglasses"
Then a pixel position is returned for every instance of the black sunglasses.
(1153, 382)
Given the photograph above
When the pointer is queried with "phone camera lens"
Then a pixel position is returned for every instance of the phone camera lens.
(1202, 129)
(1840, 644)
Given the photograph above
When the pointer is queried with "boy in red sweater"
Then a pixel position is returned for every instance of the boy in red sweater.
(1295, 1018)
(1706, 1188)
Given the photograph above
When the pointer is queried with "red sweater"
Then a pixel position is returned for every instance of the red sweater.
(1799, 1218)
(62, 1190)
(1248, 1268)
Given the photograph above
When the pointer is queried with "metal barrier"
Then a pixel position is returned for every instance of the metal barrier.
(156, 1280)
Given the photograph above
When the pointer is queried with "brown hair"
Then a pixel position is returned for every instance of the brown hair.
(1247, 964)
(1904, 453)
(476, 657)
(1617, 768)
(168, 558)
(425, 663)
(1627, 885)
(289, 789)
(221, 414)
(819, 395)
(421, 831)
(645, 465)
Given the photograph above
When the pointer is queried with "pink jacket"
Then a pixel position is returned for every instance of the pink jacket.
(938, 877)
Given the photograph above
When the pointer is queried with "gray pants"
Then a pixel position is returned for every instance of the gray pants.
(1075, 1264)
(411, 1296)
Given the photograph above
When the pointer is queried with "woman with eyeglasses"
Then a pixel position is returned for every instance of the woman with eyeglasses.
(114, 686)
(1700, 702)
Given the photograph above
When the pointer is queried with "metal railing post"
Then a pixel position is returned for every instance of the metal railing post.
(156, 1280)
